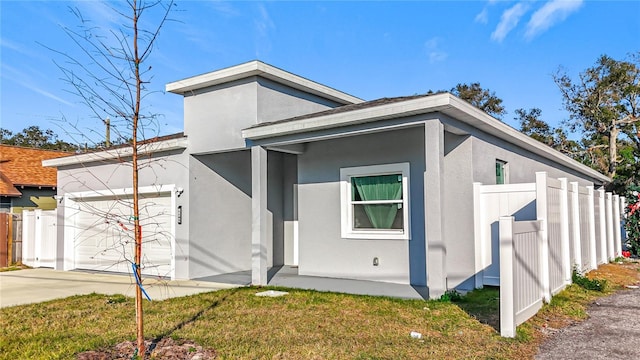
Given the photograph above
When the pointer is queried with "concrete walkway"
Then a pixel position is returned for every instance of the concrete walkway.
(37, 285)
(611, 332)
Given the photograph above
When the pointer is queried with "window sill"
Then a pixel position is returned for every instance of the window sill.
(364, 235)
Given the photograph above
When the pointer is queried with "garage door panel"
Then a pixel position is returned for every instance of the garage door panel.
(105, 237)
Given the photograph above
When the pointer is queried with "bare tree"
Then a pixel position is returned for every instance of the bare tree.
(110, 77)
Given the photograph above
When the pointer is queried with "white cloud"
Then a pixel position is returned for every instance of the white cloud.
(508, 21)
(551, 13)
(433, 48)
(483, 16)
(224, 8)
(263, 25)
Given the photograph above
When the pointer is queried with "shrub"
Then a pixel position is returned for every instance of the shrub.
(589, 284)
(632, 221)
(450, 296)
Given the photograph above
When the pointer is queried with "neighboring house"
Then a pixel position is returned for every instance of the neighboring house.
(24, 182)
(275, 169)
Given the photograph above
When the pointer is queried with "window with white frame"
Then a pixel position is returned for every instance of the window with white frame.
(375, 201)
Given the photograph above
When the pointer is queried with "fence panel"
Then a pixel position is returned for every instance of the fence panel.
(521, 293)
(600, 231)
(46, 236)
(584, 226)
(554, 220)
(491, 202)
(39, 238)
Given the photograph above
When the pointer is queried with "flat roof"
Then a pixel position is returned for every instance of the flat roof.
(384, 109)
(259, 68)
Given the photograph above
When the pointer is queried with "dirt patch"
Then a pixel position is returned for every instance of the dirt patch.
(166, 349)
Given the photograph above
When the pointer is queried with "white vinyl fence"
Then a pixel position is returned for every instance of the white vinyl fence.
(39, 238)
(537, 234)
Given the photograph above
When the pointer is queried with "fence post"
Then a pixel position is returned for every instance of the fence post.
(617, 238)
(623, 220)
(507, 285)
(592, 230)
(609, 221)
(542, 214)
(603, 226)
(564, 230)
(479, 241)
(575, 229)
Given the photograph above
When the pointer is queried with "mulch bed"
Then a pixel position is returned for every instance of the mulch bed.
(165, 348)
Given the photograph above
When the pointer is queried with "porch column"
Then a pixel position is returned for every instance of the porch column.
(436, 250)
(258, 216)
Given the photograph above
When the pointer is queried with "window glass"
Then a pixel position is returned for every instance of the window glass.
(375, 201)
(500, 172)
(367, 193)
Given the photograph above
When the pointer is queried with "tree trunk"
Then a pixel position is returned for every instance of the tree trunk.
(136, 209)
(613, 151)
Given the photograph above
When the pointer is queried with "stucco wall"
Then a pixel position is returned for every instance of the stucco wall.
(215, 116)
(458, 207)
(220, 222)
(169, 168)
(322, 251)
(469, 159)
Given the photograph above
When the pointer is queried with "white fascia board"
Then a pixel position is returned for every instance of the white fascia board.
(117, 153)
(394, 110)
(445, 103)
(477, 118)
(258, 68)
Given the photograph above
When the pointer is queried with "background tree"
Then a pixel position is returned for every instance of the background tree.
(34, 137)
(110, 77)
(484, 99)
(532, 124)
(603, 103)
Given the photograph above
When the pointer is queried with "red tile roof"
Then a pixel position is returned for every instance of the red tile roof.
(20, 166)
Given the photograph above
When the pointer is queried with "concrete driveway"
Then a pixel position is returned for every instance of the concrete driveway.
(36, 285)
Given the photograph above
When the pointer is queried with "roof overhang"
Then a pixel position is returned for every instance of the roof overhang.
(118, 153)
(258, 68)
(445, 103)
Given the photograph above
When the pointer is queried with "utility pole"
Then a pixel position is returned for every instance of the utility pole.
(107, 142)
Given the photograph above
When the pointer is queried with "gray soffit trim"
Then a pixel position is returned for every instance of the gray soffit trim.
(258, 68)
(118, 153)
(445, 103)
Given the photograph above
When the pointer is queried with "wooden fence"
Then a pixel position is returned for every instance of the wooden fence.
(10, 239)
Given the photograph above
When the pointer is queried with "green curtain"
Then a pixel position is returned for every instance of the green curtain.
(383, 187)
(499, 173)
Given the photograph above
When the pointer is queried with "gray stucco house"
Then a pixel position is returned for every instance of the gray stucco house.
(274, 169)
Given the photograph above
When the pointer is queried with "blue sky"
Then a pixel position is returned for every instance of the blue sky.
(367, 49)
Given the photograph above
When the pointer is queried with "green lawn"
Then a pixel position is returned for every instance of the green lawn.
(301, 325)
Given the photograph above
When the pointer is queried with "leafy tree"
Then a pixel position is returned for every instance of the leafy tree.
(603, 103)
(532, 125)
(35, 137)
(484, 99)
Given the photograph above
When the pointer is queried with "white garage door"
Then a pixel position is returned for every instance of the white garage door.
(104, 236)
